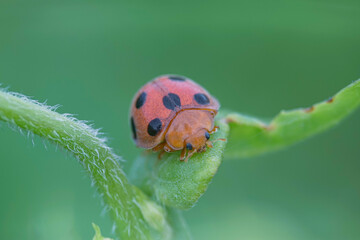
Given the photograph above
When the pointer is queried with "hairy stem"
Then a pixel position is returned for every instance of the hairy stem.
(120, 197)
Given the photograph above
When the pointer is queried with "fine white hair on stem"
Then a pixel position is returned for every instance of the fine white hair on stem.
(89, 146)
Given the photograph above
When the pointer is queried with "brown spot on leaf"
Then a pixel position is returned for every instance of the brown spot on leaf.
(269, 127)
(310, 109)
(330, 100)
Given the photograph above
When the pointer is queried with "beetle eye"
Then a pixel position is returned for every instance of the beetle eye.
(207, 135)
(189, 146)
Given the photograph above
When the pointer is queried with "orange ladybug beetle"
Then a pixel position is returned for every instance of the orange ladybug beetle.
(173, 113)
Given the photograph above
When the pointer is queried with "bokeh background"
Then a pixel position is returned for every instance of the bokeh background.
(256, 57)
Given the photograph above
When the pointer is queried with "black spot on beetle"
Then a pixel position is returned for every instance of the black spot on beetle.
(201, 98)
(177, 78)
(189, 146)
(133, 128)
(171, 101)
(154, 127)
(207, 135)
(140, 100)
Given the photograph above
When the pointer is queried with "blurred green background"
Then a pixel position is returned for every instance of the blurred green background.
(256, 57)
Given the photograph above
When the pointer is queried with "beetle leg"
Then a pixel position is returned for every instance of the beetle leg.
(190, 154)
(182, 155)
(167, 148)
(220, 139)
(159, 147)
(214, 129)
(161, 154)
(162, 148)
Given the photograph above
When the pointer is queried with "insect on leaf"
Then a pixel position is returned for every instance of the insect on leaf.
(177, 183)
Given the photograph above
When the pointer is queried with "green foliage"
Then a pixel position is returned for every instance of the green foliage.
(250, 136)
(154, 215)
(98, 235)
(147, 211)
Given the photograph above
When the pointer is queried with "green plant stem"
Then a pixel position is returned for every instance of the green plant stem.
(94, 155)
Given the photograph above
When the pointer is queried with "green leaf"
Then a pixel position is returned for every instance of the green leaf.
(250, 136)
(177, 183)
(98, 235)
